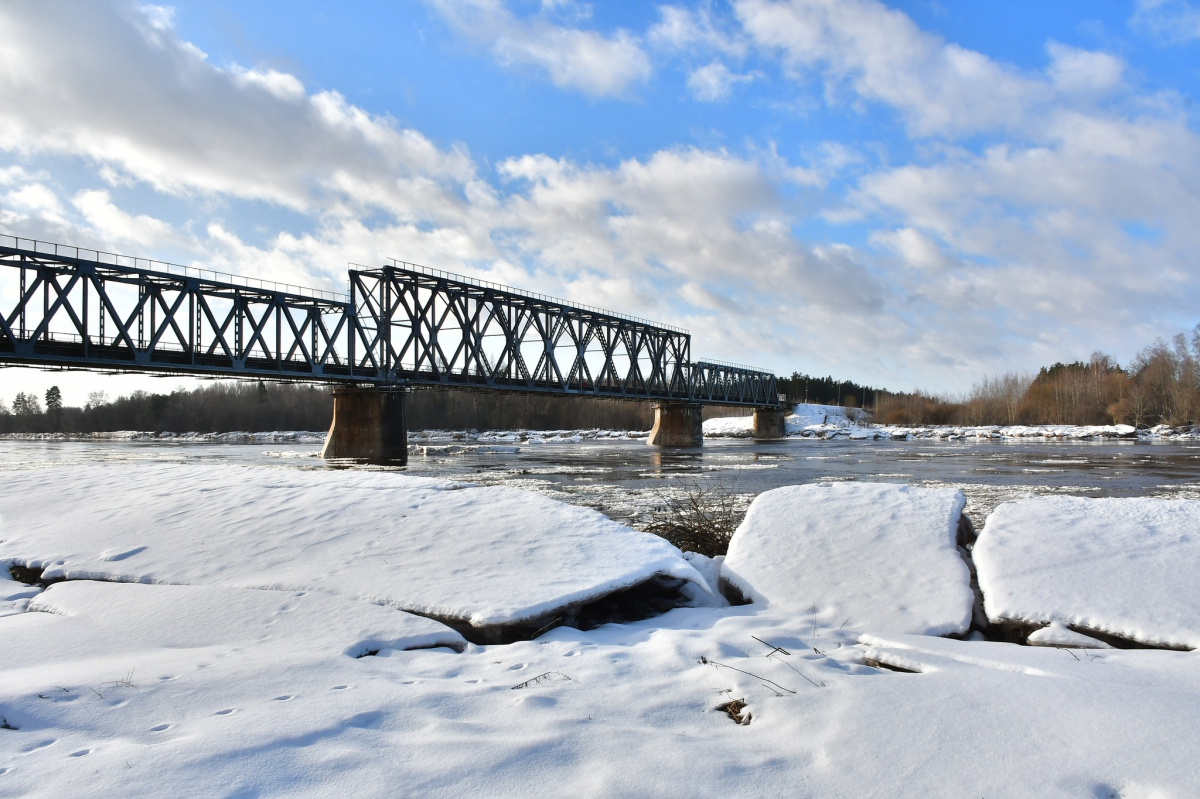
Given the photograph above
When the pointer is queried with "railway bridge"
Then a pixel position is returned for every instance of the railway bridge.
(400, 326)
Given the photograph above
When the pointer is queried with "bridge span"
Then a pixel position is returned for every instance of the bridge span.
(399, 327)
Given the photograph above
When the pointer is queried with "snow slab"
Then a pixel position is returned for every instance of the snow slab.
(484, 555)
(1128, 567)
(881, 557)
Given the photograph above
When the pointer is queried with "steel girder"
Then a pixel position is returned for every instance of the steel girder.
(59, 307)
(433, 329)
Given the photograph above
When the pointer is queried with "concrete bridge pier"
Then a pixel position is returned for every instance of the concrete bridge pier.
(769, 424)
(677, 424)
(368, 425)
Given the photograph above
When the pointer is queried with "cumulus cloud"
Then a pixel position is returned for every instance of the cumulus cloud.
(573, 58)
(127, 93)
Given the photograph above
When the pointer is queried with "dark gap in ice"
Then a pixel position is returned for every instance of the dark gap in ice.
(644, 600)
(965, 537)
(733, 595)
(30, 575)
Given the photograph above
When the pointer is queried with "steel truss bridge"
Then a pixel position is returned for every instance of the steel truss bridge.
(400, 325)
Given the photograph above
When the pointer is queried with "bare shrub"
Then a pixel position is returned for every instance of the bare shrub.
(699, 518)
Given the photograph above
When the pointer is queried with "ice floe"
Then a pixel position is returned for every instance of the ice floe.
(865, 556)
(486, 556)
(1125, 567)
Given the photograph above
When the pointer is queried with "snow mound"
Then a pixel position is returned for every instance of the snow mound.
(1126, 567)
(870, 556)
(486, 556)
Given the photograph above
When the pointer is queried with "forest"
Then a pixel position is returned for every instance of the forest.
(257, 406)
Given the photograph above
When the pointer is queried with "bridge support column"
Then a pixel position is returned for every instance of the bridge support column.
(677, 424)
(368, 424)
(769, 424)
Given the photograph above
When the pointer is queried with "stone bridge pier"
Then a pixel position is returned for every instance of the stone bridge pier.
(680, 424)
(769, 424)
(368, 425)
(677, 424)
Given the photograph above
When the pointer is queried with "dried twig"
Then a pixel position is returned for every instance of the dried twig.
(547, 676)
(707, 662)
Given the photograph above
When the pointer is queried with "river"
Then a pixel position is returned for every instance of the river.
(627, 479)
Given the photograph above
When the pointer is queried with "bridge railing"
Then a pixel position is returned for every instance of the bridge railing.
(135, 263)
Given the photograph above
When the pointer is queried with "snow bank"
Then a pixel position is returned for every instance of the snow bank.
(488, 556)
(878, 556)
(1126, 567)
(820, 421)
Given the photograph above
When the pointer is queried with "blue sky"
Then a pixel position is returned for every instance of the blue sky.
(910, 194)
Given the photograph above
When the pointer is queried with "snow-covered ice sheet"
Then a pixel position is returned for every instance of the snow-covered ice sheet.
(623, 710)
(485, 555)
(1128, 567)
(869, 556)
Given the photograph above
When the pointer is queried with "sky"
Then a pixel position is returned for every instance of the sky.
(910, 194)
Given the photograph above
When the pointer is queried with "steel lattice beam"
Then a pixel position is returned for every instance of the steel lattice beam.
(64, 307)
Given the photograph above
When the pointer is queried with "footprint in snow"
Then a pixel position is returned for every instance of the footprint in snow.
(339, 687)
(285, 698)
(517, 666)
(161, 727)
(81, 753)
(39, 745)
(224, 712)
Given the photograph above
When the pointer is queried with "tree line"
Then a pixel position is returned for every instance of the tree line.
(1161, 385)
(250, 406)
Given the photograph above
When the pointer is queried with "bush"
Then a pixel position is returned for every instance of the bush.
(699, 518)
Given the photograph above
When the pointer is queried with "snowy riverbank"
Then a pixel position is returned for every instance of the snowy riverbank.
(259, 641)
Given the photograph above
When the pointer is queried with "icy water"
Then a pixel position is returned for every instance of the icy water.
(627, 479)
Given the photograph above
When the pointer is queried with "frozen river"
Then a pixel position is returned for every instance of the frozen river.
(626, 479)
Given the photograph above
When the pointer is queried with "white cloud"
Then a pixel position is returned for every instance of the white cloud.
(1175, 21)
(882, 56)
(131, 96)
(685, 29)
(1075, 70)
(714, 82)
(101, 213)
(582, 60)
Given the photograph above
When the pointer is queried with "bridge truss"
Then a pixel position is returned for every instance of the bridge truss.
(400, 325)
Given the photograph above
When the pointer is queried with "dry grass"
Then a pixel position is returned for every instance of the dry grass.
(733, 708)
